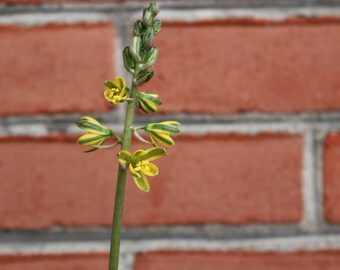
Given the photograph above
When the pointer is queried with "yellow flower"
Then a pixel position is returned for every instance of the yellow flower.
(97, 133)
(140, 165)
(160, 132)
(116, 91)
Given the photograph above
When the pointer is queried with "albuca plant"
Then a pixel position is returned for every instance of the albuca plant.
(138, 59)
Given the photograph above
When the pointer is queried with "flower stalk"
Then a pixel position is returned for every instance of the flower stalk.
(138, 59)
(121, 182)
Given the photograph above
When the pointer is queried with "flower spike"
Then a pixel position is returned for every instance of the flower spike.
(138, 57)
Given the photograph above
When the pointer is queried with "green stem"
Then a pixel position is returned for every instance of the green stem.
(121, 180)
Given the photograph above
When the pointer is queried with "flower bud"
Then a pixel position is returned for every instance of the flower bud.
(129, 63)
(148, 37)
(138, 28)
(154, 8)
(143, 77)
(135, 48)
(147, 17)
(156, 27)
(148, 102)
(149, 58)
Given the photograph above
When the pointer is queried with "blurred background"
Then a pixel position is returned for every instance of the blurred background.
(254, 179)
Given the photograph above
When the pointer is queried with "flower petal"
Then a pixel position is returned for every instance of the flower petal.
(133, 171)
(152, 154)
(119, 82)
(93, 126)
(159, 127)
(139, 152)
(162, 138)
(124, 157)
(156, 96)
(91, 120)
(147, 106)
(153, 170)
(109, 84)
(91, 139)
(142, 183)
(150, 97)
(123, 94)
(109, 96)
(171, 123)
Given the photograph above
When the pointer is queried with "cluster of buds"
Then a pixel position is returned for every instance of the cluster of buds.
(142, 54)
(138, 59)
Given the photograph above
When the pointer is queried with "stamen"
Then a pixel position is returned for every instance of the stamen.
(141, 165)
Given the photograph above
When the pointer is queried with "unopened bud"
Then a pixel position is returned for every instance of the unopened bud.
(149, 58)
(144, 76)
(129, 63)
(135, 48)
(148, 17)
(154, 8)
(138, 28)
(148, 37)
(156, 27)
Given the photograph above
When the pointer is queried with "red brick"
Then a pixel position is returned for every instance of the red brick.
(75, 1)
(229, 67)
(64, 262)
(52, 182)
(225, 179)
(57, 1)
(238, 261)
(331, 178)
(212, 179)
(54, 68)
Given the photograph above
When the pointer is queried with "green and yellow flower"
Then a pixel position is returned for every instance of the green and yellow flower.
(160, 132)
(148, 102)
(116, 91)
(97, 133)
(140, 165)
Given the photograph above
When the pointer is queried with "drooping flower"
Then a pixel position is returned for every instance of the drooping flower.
(148, 102)
(96, 132)
(140, 165)
(160, 132)
(116, 91)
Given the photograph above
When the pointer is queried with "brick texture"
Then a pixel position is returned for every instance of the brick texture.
(238, 261)
(58, 1)
(213, 179)
(84, 1)
(54, 68)
(331, 178)
(64, 262)
(232, 67)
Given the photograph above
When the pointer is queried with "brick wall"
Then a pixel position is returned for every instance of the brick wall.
(253, 182)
